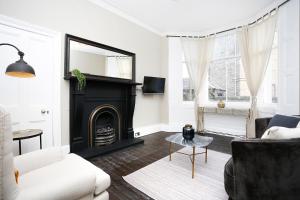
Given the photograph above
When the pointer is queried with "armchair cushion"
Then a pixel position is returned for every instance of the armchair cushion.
(284, 121)
(37, 159)
(279, 133)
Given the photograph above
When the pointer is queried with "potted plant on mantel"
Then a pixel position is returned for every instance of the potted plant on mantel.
(81, 79)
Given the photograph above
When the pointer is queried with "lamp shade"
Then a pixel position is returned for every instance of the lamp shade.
(20, 69)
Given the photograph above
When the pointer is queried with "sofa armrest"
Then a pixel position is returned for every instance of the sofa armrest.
(69, 185)
(261, 125)
(266, 169)
(37, 159)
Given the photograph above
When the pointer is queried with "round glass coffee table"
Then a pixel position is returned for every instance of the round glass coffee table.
(197, 142)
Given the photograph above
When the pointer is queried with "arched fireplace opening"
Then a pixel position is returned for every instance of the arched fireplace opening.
(104, 126)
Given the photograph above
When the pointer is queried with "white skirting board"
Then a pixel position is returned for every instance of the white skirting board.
(146, 130)
(66, 149)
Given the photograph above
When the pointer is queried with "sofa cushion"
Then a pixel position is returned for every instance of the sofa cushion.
(102, 178)
(63, 180)
(8, 186)
(284, 121)
(278, 133)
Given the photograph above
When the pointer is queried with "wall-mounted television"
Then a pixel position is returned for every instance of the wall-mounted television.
(153, 85)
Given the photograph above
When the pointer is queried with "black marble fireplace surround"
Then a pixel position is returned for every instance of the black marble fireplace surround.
(102, 108)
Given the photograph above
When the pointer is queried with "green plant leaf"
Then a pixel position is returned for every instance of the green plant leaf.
(80, 78)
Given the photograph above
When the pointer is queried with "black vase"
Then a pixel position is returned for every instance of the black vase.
(188, 133)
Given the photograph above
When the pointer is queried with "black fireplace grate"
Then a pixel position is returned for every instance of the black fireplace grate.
(104, 136)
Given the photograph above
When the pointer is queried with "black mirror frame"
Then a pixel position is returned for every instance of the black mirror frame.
(67, 73)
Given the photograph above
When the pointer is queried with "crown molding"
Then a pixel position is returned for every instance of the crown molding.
(109, 7)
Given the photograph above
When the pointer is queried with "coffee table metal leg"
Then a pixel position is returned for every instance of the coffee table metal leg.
(170, 151)
(205, 154)
(193, 163)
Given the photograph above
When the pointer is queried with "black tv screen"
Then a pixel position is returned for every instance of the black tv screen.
(153, 85)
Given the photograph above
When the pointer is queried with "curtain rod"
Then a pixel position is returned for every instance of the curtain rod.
(231, 29)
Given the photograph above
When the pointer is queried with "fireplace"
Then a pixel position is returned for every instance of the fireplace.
(101, 116)
(104, 126)
(101, 113)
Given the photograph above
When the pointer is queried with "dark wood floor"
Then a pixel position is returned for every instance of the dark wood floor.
(126, 161)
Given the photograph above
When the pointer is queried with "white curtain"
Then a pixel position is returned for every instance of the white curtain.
(255, 44)
(198, 53)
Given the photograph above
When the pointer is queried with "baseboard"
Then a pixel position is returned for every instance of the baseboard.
(146, 130)
(66, 149)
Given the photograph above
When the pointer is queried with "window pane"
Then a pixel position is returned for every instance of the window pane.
(188, 91)
(244, 91)
(230, 45)
(217, 81)
(237, 90)
(220, 47)
(226, 75)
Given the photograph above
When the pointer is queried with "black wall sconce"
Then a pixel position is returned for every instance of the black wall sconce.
(19, 68)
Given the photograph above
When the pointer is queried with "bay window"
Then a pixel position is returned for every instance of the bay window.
(226, 78)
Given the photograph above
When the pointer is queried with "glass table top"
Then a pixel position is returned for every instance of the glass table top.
(198, 141)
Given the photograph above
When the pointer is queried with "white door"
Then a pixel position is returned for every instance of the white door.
(30, 101)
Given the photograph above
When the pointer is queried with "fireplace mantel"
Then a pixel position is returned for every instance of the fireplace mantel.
(106, 79)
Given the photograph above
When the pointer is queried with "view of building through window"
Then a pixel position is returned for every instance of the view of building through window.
(188, 91)
(226, 78)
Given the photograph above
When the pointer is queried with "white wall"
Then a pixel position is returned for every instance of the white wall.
(288, 45)
(84, 19)
(165, 74)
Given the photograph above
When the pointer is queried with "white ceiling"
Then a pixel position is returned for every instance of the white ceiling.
(185, 16)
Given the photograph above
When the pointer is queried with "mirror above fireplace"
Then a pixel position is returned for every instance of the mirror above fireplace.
(98, 60)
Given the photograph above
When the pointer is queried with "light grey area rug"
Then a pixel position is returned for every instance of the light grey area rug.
(172, 180)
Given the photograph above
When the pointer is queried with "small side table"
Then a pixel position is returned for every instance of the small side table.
(26, 134)
(197, 142)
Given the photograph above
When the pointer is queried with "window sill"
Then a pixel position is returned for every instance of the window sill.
(229, 105)
(269, 109)
(225, 111)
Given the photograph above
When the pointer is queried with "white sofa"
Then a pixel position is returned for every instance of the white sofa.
(47, 174)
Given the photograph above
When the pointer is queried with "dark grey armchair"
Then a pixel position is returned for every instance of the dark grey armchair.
(263, 169)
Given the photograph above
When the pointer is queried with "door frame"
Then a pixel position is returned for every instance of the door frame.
(56, 38)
